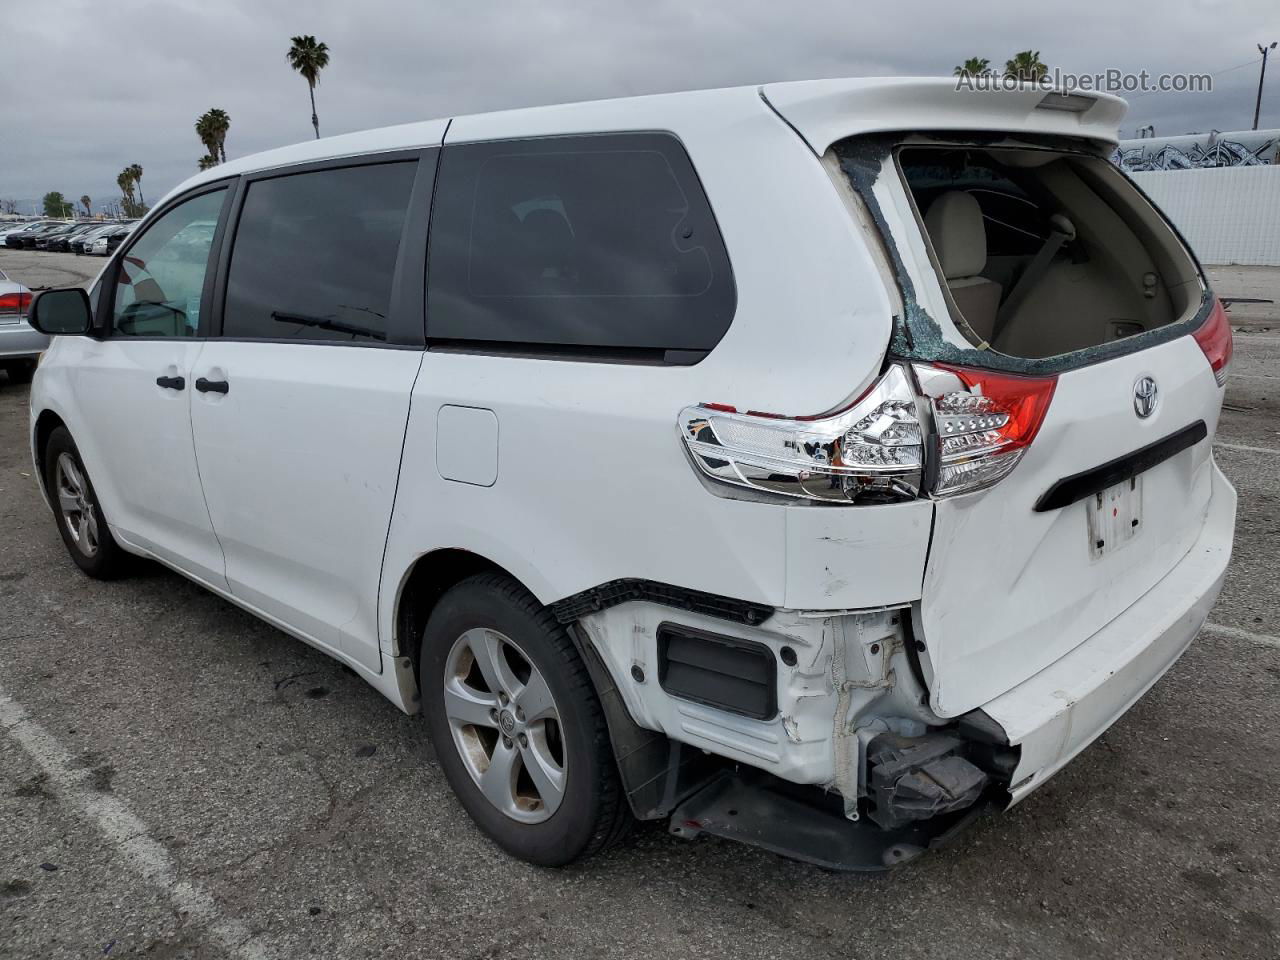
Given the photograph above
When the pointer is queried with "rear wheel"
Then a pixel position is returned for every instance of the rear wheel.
(517, 725)
(80, 520)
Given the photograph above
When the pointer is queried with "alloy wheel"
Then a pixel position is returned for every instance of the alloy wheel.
(75, 506)
(505, 725)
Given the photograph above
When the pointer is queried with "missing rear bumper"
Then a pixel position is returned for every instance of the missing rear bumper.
(806, 823)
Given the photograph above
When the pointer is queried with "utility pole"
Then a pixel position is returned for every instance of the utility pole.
(1257, 106)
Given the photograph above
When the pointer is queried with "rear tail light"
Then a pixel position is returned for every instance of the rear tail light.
(15, 302)
(1214, 337)
(877, 449)
(869, 452)
(983, 423)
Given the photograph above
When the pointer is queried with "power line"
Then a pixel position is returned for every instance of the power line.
(1217, 73)
(1238, 66)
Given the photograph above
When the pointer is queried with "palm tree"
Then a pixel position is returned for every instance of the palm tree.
(219, 125)
(135, 174)
(212, 129)
(207, 161)
(85, 200)
(125, 182)
(204, 130)
(309, 58)
(974, 67)
(1026, 66)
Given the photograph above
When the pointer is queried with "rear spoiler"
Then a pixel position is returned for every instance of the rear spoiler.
(824, 111)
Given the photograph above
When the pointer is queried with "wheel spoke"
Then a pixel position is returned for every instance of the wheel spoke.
(486, 647)
(89, 525)
(535, 700)
(68, 501)
(498, 782)
(547, 775)
(462, 704)
(477, 642)
(71, 474)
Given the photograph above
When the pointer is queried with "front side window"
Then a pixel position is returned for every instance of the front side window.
(315, 253)
(161, 279)
(588, 242)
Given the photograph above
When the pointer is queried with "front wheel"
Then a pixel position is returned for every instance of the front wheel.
(517, 725)
(75, 504)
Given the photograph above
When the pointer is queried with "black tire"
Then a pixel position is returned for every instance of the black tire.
(107, 561)
(593, 812)
(20, 371)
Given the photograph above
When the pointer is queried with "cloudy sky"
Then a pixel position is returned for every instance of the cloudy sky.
(90, 86)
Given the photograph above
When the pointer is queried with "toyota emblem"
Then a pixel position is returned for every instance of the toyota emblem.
(1146, 397)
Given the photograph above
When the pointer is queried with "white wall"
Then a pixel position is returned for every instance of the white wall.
(1227, 214)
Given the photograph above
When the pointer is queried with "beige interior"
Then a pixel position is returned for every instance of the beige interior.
(1122, 271)
(954, 223)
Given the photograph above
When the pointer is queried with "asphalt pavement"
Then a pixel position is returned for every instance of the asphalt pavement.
(178, 779)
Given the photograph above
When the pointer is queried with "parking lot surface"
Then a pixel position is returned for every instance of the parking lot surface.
(178, 779)
(38, 269)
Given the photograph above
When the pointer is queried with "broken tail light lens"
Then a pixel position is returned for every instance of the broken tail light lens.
(869, 452)
(983, 423)
(1214, 337)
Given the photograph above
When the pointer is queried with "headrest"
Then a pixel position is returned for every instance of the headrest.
(954, 222)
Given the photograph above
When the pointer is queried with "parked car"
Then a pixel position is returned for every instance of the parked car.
(16, 226)
(729, 480)
(42, 240)
(106, 243)
(61, 243)
(12, 230)
(20, 345)
(17, 239)
(77, 244)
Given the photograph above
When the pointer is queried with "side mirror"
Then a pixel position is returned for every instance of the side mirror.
(64, 312)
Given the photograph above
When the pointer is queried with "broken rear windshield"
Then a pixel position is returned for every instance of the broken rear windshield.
(1047, 258)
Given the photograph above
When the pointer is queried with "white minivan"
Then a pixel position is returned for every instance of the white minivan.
(816, 464)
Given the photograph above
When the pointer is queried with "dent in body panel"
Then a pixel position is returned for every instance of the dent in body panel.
(856, 557)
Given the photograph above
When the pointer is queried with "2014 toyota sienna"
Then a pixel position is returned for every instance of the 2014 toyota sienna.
(817, 464)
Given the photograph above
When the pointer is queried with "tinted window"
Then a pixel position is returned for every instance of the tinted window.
(603, 241)
(161, 279)
(315, 253)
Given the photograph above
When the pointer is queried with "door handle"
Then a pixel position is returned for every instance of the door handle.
(171, 383)
(212, 386)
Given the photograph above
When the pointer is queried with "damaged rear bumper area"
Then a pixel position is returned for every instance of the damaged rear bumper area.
(808, 734)
(769, 813)
(924, 792)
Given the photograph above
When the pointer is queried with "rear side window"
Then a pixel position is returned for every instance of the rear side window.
(315, 254)
(595, 242)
